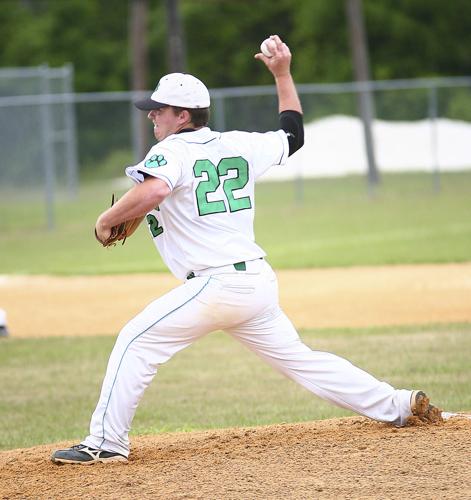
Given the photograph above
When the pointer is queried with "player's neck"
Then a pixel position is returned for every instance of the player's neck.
(189, 128)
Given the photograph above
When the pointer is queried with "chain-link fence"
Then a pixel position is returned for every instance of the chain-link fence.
(37, 138)
(46, 130)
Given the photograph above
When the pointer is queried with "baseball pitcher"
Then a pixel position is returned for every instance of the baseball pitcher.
(195, 190)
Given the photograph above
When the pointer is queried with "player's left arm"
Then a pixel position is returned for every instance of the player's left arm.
(134, 205)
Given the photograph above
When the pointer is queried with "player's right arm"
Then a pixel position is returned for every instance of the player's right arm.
(279, 66)
(289, 105)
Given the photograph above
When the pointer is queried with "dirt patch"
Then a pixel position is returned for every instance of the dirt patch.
(340, 458)
(312, 298)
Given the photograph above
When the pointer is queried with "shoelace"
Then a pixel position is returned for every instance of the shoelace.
(78, 447)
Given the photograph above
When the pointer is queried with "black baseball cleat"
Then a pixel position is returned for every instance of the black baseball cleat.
(420, 407)
(84, 455)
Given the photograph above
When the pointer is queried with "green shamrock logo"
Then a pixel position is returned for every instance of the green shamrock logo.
(156, 161)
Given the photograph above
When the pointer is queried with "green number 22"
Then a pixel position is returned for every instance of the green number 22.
(229, 186)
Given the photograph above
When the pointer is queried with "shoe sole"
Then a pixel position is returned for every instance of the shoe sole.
(63, 461)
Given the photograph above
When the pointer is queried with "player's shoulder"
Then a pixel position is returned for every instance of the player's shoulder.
(236, 137)
(242, 134)
(166, 154)
(257, 140)
(231, 134)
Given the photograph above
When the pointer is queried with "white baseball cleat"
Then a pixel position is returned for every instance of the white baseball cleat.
(446, 415)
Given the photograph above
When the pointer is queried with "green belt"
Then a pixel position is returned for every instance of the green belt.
(238, 266)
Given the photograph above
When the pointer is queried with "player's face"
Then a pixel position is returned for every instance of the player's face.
(165, 122)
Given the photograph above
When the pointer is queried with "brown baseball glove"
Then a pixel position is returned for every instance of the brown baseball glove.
(121, 231)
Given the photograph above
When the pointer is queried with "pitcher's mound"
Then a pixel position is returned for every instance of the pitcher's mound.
(340, 458)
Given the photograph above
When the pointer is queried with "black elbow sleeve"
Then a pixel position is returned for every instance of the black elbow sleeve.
(292, 123)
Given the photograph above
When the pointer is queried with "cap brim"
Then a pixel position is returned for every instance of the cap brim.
(148, 104)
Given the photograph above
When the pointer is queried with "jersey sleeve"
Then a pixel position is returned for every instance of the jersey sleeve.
(268, 149)
(159, 162)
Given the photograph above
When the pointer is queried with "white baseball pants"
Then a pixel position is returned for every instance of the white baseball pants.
(244, 304)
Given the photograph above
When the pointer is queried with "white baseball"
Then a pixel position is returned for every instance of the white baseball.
(267, 47)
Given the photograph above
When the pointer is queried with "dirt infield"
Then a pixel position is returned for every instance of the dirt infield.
(340, 458)
(312, 298)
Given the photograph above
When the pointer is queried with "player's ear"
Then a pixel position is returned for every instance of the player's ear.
(185, 116)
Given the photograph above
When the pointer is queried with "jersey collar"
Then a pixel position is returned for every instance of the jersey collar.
(186, 130)
(199, 136)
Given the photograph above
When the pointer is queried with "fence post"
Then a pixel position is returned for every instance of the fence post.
(433, 114)
(71, 133)
(46, 139)
(220, 113)
(139, 128)
(361, 68)
(365, 100)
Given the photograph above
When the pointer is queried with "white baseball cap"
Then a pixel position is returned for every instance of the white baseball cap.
(177, 89)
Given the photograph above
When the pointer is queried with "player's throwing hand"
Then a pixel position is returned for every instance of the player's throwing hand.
(279, 62)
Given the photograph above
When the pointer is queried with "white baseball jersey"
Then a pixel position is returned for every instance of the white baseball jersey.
(207, 221)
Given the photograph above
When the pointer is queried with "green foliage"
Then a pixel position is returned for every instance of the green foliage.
(102, 128)
(455, 103)
(411, 104)
(112, 167)
(403, 45)
(319, 42)
(92, 35)
(216, 382)
(222, 36)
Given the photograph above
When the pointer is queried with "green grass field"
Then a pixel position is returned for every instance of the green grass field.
(337, 224)
(50, 386)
